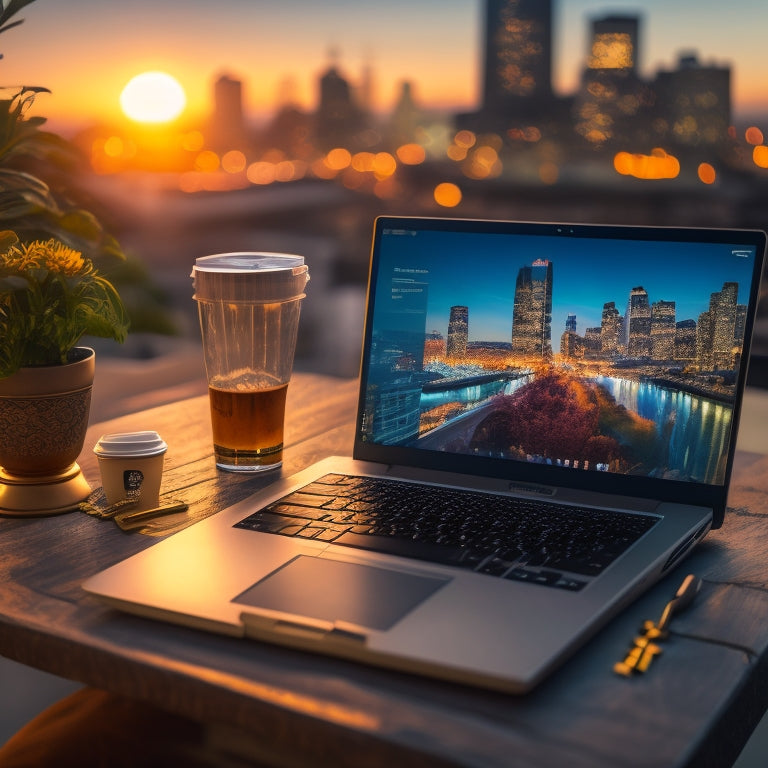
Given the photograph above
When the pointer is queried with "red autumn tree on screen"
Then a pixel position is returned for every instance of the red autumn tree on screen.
(557, 416)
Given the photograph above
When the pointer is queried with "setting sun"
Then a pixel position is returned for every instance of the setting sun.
(153, 97)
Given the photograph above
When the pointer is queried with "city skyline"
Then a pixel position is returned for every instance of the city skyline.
(278, 59)
(672, 275)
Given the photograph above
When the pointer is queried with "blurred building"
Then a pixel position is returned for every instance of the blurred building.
(695, 102)
(406, 117)
(339, 121)
(228, 128)
(517, 48)
(612, 102)
(517, 66)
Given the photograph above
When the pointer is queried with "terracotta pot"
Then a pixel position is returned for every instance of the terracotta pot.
(43, 420)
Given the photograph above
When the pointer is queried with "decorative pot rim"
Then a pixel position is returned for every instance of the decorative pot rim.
(51, 379)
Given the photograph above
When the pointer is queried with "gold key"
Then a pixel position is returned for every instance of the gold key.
(644, 649)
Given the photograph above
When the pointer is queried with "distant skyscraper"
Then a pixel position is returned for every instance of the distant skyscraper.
(532, 312)
(458, 333)
(338, 118)
(637, 324)
(663, 330)
(228, 130)
(610, 327)
(614, 43)
(571, 345)
(696, 101)
(685, 341)
(518, 55)
(405, 116)
(717, 345)
(612, 94)
(592, 342)
(723, 308)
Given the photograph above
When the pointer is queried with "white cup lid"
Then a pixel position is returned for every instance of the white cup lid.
(250, 277)
(130, 445)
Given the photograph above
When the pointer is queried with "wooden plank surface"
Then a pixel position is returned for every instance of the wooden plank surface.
(695, 707)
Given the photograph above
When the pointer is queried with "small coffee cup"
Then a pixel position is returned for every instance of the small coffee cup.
(131, 466)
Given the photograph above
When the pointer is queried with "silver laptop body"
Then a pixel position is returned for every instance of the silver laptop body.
(597, 368)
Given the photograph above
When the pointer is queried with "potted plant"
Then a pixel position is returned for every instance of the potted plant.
(50, 296)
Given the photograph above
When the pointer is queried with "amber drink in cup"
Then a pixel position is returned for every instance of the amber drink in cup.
(249, 306)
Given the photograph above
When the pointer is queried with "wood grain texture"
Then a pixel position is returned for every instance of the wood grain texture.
(695, 707)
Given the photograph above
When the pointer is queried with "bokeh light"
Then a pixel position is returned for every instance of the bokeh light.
(753, 135)
(447, 195)
(707, 173)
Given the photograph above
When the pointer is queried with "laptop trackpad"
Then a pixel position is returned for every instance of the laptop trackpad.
(334, 590)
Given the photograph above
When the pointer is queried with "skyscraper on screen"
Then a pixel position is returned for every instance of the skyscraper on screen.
(532, 312)
(458, 333)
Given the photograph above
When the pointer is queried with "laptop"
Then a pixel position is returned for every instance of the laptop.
(546, 426)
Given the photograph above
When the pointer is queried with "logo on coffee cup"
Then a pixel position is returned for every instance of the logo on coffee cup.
(132, 480)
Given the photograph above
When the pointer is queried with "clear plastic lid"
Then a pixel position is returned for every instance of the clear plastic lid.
(130, 445)
(249, 276)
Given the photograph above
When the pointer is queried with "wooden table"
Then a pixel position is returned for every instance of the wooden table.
(696, 706)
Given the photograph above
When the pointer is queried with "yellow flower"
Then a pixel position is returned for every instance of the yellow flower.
(49, 254)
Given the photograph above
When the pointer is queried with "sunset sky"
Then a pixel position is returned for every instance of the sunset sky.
(85, 51)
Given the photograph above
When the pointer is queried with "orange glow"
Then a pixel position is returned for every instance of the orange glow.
(549, 173)
(465, 139)
(338, 159)
(321, 170)
(353, 179)
(386, 189)
(707, 173)
(190, 182)
(456, 153)
(448, 195)
(411, 154)
(612, 50)
(363, 161)
(233, 161)
(153, 97)
(192, 141)
(113, 146)
(484, 163)
(286, 170)
(384, 165)
(753, 135)
(657, 165)
(207, 161)
(260, 173)
(760, 156)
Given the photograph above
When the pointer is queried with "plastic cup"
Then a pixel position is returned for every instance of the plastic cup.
(131, 466)
(249, 306)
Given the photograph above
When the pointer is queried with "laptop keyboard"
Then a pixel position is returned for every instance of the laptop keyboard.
(535, 541)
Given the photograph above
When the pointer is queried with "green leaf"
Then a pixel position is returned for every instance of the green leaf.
(11, 9)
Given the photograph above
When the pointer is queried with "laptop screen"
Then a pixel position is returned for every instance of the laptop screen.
(616, 350)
